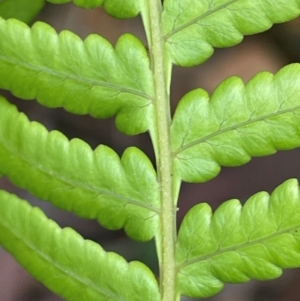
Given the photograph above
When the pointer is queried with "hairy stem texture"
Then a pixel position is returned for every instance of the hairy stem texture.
(164, 163)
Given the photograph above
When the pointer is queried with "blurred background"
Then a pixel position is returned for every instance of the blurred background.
(264, 52)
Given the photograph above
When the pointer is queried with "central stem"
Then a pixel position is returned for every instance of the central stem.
(164, 163)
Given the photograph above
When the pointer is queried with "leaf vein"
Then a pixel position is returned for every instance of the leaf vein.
(195, 20)
(234, 127)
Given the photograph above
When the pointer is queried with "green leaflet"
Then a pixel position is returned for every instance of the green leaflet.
(87, 77)
(192, 27)
(80, 3)
(238, 122)
(122, 8)
(116, 8)
(238, 243)
(23, 10)
(61, 259)
(93, 184)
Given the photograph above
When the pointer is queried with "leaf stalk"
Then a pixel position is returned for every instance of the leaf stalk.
(163, 156)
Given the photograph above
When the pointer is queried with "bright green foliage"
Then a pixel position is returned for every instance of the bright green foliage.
(236, 123)
(192, 27)
(81, 270)
(132, 83)
(116, 8)
(23, 10)
(93, 184)
(80, 3)
(87, 77)
(238, 243)
(123, 8)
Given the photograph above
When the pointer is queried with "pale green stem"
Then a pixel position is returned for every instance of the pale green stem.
(164, 163)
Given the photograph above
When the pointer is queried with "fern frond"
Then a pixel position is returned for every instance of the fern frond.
(23, 10)
(93, 184)
(192, 28)
(62, 260)
(237, 243)
(116, 8)
(83, 77)
(236, 123)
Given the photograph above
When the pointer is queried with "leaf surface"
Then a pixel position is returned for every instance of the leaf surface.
(61, 259)
(89, 77)
(238, 243)
(116, 8)
(192, 27)
(23, 10)
(118, 192)
(236, 123)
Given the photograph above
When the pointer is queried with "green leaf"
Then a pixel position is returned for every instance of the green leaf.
(237, 123)
(61, 259)
(23, 10)
(192, 27)
(239, 243)
(80, 3)
(122, 8)
(93, 184)
(89, 77)
(116, 8)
